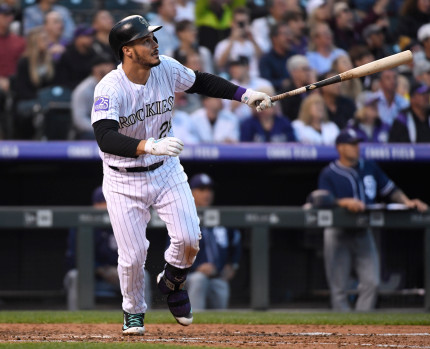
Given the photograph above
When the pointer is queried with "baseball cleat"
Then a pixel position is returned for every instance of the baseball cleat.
(178, 303)
(133, 324)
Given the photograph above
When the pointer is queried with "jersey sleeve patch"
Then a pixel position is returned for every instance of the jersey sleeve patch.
(101, 103)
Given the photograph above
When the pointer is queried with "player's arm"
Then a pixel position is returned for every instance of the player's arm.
(214, 86)
(112, 142)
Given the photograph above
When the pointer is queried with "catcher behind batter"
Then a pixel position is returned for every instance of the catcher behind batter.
(132, 121)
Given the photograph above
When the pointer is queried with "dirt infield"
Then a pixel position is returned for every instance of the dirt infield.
(235, 336)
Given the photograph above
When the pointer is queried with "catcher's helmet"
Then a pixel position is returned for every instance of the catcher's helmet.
(128, 29)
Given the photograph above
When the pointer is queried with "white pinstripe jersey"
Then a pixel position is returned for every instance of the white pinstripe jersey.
(142, 111)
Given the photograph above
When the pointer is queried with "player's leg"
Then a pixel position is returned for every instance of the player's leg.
(197, 285)
(129, 217)
(337, 260)
(367, 269)
(175, 206)
(219, 294)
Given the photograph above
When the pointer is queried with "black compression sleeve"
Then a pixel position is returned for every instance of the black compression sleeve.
(212, 86)
(112, 142)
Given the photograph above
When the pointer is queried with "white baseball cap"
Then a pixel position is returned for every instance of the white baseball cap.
(424, 32)
(313, 5)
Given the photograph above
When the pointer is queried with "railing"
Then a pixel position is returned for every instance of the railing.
(88, 150)
(258, 219)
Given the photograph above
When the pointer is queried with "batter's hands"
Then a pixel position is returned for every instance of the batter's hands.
(171, 146)
(250, 97)
(351, 204)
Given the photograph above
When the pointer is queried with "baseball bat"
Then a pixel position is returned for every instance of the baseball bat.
(385, 63)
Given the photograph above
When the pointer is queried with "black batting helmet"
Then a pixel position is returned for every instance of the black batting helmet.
(128, 29)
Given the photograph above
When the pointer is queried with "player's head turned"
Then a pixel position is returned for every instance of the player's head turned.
(127, 30)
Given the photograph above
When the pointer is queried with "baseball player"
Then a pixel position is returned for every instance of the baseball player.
(132, 118)
(355, 183)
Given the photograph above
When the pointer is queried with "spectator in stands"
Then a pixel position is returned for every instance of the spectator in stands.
(322, 51)
(83, 97)
(347, 29)
(273, 64)
(35, 70)
(319, 11)
(403, 86)
(296, 22)
(350, 88)
(347, 250)
(165, 13)
(360, 55)
(339, 108)
(75, 63)
(215, 124)
(106, 261)
(421, 71)
(391, 103)
(54, 27)
(219, 256)
(240, 43)
(189, 102)
(12, 47)
(413, 124)
(424, 40)
(267, 126)
(213, 20)
(16, 25)
(366, 122)
(260, 27)
(312, 125)
(240, 75)
(301, 75)
(102, 23)
(187, 35)
(185, 10)
(184, 127)
(34, 16)
(374, 36)
(413, 14)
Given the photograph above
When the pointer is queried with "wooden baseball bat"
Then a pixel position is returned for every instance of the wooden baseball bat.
(363, 70)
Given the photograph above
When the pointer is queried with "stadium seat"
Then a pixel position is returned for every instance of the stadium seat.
(55, 109)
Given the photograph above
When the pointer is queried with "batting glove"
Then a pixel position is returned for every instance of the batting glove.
(250, 97)
(171, 146)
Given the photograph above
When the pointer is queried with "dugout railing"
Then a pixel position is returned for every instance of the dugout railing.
(258, 220)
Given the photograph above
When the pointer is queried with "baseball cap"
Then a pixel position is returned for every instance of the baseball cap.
(98, 196)
(83, 30)
(418, 87)
(371, 29)
(312, 5)
(420, 67)
(321, 198)
(240, 60)
(348, 136)
(366, 98)
(6, 9)
(423, 32)
(201, 180)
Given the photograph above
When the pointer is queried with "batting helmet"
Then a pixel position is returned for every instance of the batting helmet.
(128, 29)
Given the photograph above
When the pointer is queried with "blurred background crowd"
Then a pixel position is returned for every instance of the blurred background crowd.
(53, 53)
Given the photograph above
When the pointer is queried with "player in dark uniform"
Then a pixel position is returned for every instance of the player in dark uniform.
(355, 183)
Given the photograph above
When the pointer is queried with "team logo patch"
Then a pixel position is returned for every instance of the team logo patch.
(101, 103)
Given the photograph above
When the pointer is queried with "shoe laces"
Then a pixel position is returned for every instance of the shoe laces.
(134, 320)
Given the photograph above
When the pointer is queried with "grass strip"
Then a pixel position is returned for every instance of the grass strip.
(223, 317)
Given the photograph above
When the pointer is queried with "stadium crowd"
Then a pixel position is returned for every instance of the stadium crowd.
(57, 51)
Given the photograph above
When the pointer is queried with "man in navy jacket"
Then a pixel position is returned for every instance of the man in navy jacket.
(355, 183)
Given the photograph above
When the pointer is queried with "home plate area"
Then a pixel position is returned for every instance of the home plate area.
(228, 335)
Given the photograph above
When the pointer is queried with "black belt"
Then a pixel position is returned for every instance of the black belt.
(138, 169)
